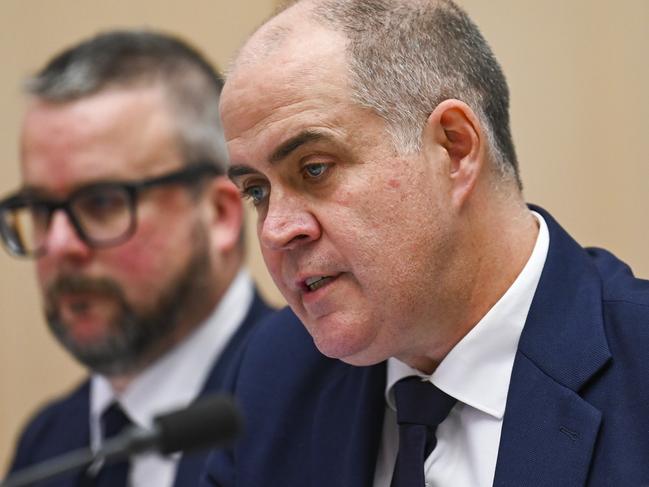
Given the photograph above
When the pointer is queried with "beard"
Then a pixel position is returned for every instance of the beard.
(133, 338)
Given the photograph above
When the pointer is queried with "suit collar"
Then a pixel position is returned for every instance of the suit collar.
(564, 332)
(549, 431)
(217, 377)
(68, 436)
(191, 465)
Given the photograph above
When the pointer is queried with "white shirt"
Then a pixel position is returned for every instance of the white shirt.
(172, 382)
(476, 372)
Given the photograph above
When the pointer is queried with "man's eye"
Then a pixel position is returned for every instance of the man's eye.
(102, 205)
(315, 170)
(257, 194)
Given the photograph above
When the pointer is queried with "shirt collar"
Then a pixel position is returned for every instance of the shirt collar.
(176, 379)
(477, 370)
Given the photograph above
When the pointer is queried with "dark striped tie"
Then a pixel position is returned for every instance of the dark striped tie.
(421, 407)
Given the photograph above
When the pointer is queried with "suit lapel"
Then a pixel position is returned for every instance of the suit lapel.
(191, 465)
(549, 431)
(217, 381)
(347, 432)
(71, 434)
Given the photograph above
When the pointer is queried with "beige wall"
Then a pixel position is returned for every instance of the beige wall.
(578, 73)
(579, 76)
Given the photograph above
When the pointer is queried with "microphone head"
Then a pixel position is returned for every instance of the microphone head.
(210, 422)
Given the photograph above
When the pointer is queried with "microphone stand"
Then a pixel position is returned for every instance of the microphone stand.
(207, 423)
(134, 441)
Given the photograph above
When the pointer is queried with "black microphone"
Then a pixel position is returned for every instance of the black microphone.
(208, 423)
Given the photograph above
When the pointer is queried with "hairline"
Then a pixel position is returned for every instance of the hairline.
(190, 85)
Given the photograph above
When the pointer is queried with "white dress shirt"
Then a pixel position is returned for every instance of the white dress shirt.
(476, 372)
(173, 381)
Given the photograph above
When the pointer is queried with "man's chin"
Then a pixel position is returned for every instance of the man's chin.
(93, 343)
(87, 333)
(352, 350)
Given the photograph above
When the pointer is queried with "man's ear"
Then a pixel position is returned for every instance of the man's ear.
(225, 213)
(454, 128)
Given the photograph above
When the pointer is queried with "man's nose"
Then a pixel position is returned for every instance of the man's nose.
(62, 238)
(288, 223)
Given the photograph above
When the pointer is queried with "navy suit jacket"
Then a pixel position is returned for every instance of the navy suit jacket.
(63, 425)
(577, 410)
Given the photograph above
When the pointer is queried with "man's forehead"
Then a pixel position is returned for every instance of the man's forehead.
(274, 34)
(101, 108)
(284, 35)
(302, 69)
(98, 136)
(291, 68)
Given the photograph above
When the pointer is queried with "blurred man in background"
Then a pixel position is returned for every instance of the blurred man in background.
(469, 340)
(136, 234)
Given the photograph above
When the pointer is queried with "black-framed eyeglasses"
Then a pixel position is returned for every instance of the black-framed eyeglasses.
(103, 213)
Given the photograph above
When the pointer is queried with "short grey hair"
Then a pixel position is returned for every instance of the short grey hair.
(407, 56)
(132, 58)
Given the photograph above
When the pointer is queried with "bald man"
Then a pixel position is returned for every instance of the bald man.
(453, 335)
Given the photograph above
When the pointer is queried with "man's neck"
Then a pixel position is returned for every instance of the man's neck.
(498, 245)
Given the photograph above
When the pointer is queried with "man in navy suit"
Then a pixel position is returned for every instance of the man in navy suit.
(136, 233)
(373, 138)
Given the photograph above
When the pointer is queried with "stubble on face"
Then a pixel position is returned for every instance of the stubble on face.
(132, 336)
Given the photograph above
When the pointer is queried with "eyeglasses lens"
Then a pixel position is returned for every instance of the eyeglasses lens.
(24, 228)
(103, 214)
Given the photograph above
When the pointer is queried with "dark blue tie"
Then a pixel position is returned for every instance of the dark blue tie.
(421, 407)
(113, 422)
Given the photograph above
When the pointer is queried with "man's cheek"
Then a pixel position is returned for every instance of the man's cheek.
(147, 252)
(133, 263)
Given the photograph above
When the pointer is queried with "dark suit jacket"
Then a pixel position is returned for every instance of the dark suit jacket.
(63, 425)
(577, 411)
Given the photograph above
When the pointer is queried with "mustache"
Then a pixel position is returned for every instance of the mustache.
(77, 284)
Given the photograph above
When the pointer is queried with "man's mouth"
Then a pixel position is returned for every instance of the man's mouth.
(76, 304)
(316, 282)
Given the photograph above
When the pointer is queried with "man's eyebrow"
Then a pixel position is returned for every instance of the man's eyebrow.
(281, 152)
(31, 191)
(236, 171)
(304, 137)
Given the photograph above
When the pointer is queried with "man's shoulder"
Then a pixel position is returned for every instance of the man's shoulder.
(620, 285)
(598, 273)
(64, 408)
(57, 426)
(625, 308)
(620, 390)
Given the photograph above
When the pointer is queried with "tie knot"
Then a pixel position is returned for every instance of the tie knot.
(420, 402)
(114, 420)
